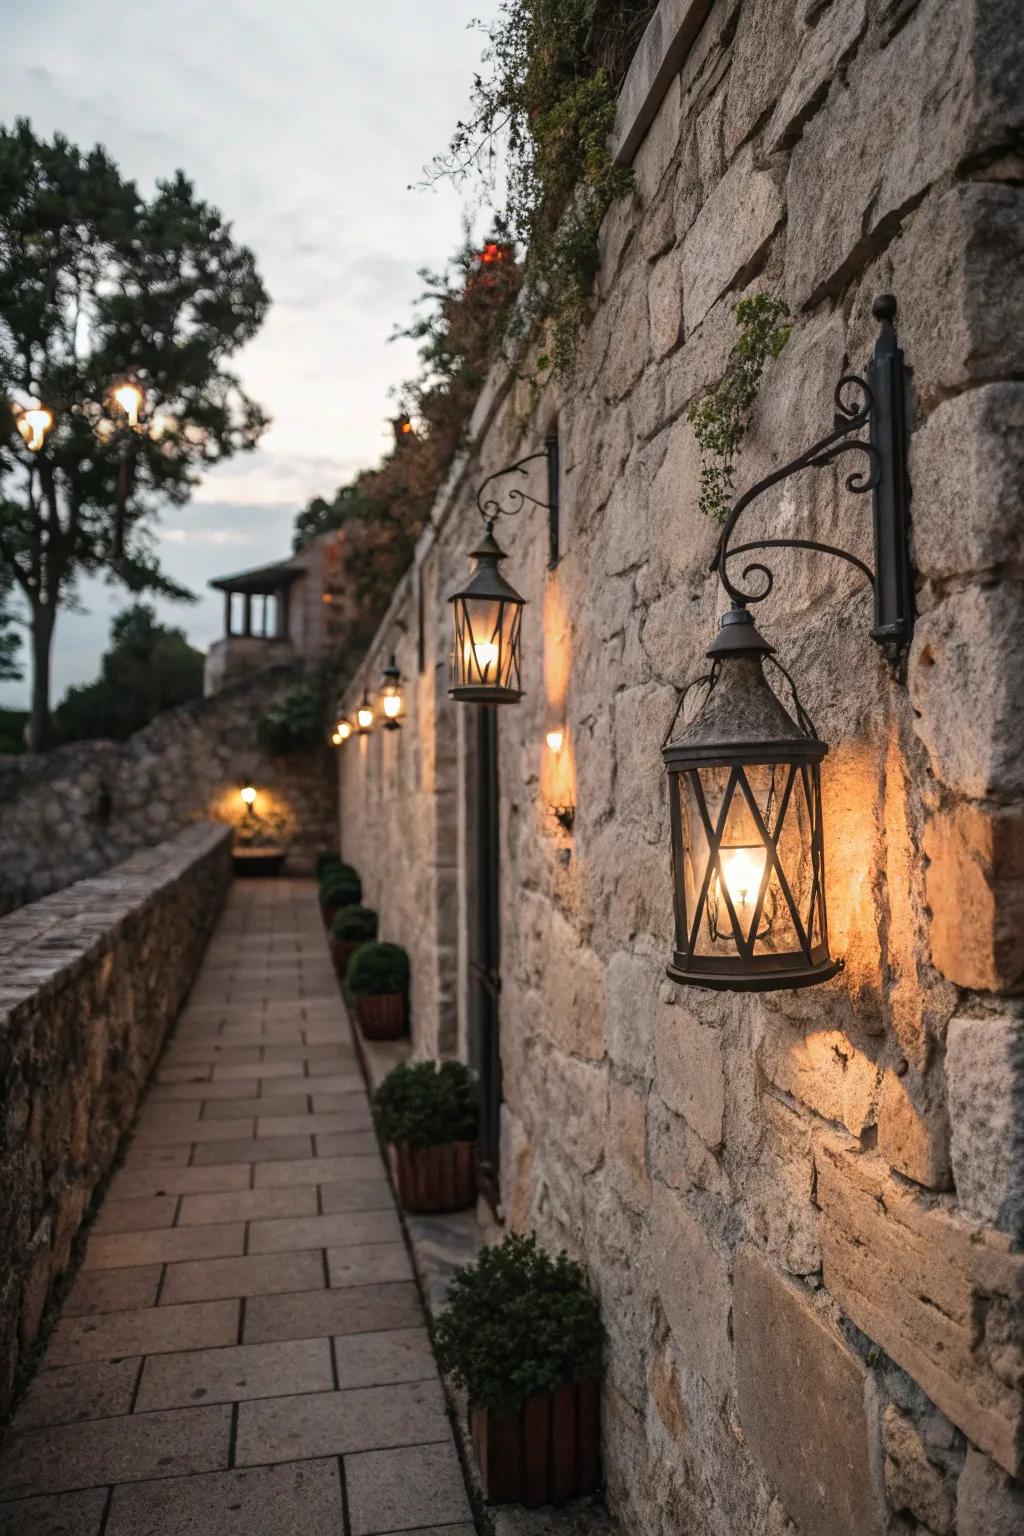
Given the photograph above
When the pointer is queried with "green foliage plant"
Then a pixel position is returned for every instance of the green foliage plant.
(147, 668)
(543, 109)
(378, 970)
(341, 888)
(352, 923)
(296, 721)
(518, 1322)
(326, 861)
(721, 418)
(427, 1104)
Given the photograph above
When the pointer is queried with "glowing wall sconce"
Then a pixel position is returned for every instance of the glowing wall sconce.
(247, 794)
(744, 773)
(554, 740)
(391, 695)
(364, 715)
(342, 730)
(487, 612)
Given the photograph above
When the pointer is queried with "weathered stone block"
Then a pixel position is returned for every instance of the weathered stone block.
(967, 653)
(627, 1144)
(690, 1072)
(665, 305)
(728, 234)
(821, 48)
(913, 1127)
(974, 888)
(941, 1297)
(802, 1405)
(988, 1503)
(913, 1483)
(692, 1280)
(985, 1078)
(824, 1069)
(631, 987)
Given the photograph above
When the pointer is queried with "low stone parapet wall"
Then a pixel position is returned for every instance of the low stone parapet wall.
(90, 979)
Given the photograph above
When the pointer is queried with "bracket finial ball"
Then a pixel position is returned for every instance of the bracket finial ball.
(884, 307)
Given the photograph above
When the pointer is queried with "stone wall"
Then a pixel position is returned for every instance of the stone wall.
(77, 810)
(804, 1211)
(90, 980)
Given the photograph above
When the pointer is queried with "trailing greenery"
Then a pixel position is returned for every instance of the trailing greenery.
(378, 970)
(721, 418)
(543, 110)
(351, 923)
(341, 888)
(518, 1322)
(296, 721)
(427, 1104)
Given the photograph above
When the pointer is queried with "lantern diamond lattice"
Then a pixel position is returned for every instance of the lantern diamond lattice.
(747, 837)
(487, 614)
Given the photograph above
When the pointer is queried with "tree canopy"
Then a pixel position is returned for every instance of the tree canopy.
(148, 667)
(99, 285)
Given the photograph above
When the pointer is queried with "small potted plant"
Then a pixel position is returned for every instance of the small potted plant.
(378, 979)
(340, 887)
(350, 928)
(427, 1112)
(325, 862)
(522, 1334)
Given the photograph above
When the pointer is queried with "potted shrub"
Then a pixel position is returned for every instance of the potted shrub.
(378, 978)
(325, 862)
(350, 927)
(427, 1112)
(339, 887)
(522, 1333)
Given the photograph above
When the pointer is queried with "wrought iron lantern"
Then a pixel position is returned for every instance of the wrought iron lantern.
(364, 714)
(342, 729)
(391, 694)
(487, 612)
(745, 797)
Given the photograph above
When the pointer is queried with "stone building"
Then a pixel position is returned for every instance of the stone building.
(803, 1210)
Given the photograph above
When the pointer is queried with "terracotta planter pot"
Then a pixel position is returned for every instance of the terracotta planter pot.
(381, 1017)
(434, 1179)
(546, 1453)
(342, 951)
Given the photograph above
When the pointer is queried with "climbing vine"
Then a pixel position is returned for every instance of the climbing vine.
(721, 418)
(543, 109)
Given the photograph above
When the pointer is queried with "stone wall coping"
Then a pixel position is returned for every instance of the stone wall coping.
(668, 38)
(46, 942)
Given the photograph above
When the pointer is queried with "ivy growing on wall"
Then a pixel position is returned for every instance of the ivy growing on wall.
(543, 109)
(721, 418)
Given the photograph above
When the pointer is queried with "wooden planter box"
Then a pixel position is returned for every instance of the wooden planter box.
(547, 1452)
(342, 951)
(257, 861)
(434, 1179)
(381, 1017)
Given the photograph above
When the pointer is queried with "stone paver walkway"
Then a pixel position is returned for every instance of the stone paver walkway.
(243, 1350)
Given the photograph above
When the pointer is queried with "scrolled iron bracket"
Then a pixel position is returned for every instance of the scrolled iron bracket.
(878, 403)
(515, 498)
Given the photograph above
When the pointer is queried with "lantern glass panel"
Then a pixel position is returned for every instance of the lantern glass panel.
(486, 643)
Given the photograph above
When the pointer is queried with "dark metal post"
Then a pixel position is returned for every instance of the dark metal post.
(894, 589)
(554, 531)
(486, 965)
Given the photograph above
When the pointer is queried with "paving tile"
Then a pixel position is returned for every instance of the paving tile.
(361, 1195)
(312, 1314)
(183, 1093)
(348, 1229)
(243, 1074)
(298, 1499)
(304, 1124)
(338, 1082)
(333, 1103)
(375, 1264)
(154, 1331)
(191, 1074)
(155, 1113)
(347, 1144)
(67, 1393)
(113, 1290)
(123, 1249)
(180, 1181)
(136, 1215)
(374, 1359)
(319, 1170)
(63, 1514)
(120, 1450)
(337, 1423)
(331, 1051)
(250, 1205)
(250, 1109)
(264, 1149)
(400, 1489)
(230, 1375)
(263, 1274)
(169, 1133)
(154, 1155)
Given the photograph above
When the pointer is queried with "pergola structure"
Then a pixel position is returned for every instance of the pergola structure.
(256, 602)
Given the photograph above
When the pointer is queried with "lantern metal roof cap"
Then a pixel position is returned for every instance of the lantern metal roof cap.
(392, 673)
(486, 580)
(742, 719)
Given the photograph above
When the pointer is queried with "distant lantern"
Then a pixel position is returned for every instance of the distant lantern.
(486, 618)
(248, 795)
(364, 714)
(746, 827)
(391, 695)
(128, 396)
(34, 422)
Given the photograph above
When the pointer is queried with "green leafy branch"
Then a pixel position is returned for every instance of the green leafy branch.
(721, 418)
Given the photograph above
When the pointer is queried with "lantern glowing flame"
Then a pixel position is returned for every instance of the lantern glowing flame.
(33, 424)
(364, 714)
(342, 731)
(555, 739)
(393, 705)
(743, 871)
